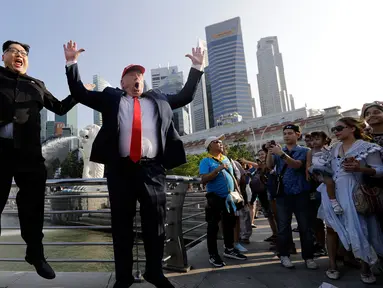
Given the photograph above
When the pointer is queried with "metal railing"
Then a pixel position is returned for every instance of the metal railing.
(175, 246)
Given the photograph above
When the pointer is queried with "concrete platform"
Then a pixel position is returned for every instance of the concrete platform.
(261, 270)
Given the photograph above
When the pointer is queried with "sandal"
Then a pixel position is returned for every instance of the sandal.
(333, 274)
(368, 278)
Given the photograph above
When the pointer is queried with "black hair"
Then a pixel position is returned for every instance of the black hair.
(8, 43)
(323, 135)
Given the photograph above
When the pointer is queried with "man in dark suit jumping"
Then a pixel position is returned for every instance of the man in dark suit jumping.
(137, 142)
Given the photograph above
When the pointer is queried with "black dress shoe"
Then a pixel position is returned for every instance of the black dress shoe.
(123, 284)
(161, 282)
(42, 268)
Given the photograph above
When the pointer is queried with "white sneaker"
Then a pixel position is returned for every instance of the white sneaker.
(240, 248)
(336, 207)
(368, 278)
(286, 262)
(311, 264)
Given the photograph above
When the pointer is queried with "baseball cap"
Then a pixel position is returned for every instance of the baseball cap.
(213, 138)
(292, 127)
(133, 66)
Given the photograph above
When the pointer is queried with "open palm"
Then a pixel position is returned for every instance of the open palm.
(71, 52)
(197, 56)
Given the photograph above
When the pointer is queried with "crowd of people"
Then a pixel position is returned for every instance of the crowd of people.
(332, 185)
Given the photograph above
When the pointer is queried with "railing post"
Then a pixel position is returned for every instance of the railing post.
(176, 248)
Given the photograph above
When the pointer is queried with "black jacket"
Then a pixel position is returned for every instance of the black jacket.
(21, 99)
(106, 145)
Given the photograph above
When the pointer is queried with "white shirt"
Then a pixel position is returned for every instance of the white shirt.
(149, 118)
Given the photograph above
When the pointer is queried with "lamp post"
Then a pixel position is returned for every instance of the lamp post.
(264, 130)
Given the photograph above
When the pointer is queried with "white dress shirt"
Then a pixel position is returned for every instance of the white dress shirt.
(149, 119)
(6, 131)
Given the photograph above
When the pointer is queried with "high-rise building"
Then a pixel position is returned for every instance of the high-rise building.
(227, 70)
(101, 84)
(72, 120)
(171, 82)
(199, 106)
(209, 98)
(61, 119)
(43, 124)
(50, 129)
(292, 102)
(272, 88)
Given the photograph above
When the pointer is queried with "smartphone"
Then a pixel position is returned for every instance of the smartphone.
(349, 159)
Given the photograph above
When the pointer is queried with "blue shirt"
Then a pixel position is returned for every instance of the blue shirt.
(223, 183)
(294, 180)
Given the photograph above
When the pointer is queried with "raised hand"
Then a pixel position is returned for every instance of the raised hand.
(197, 56)
(89, 86)
(71, 52)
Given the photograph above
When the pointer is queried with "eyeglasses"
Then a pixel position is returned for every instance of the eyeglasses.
(17, 51)
(339, 128)
(216, 141)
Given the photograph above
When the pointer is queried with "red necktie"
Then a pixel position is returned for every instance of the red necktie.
(135, 144)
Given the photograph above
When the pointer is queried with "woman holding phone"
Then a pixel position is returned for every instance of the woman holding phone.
(350, 159)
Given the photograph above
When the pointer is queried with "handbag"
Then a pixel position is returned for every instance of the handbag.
(236, 195)
(367, 199)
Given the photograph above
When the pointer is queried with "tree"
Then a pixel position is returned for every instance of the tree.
(240, 150)
(191, 167)
(72, 167)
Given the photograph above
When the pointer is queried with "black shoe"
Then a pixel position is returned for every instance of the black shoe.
(161, 282)
(216, 261)
(272, 238)
(42, 268)
(123, 283)
(320, 253)
(234, 254)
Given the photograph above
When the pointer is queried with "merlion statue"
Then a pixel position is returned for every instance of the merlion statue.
(87, 136)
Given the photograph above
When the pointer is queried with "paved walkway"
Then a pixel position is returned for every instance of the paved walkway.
(261, 270)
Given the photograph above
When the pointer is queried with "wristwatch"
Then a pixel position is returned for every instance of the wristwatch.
(283, 156)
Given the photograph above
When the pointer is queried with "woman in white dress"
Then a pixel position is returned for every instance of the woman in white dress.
(350, 160)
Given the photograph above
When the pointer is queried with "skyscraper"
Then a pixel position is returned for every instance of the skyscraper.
(171, 82)
(61, 119)
(72, 120)
(199, 106)
(272, 88)
(43, 124)
(101, 84)
(227, 69)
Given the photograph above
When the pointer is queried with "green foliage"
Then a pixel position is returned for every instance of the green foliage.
(191, 168)
(71, 167)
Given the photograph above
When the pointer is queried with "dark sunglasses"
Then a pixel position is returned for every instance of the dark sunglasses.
(216, 141)
(339, 128)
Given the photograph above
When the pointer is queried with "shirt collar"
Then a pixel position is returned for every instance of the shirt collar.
(296, 147)
(222, 157)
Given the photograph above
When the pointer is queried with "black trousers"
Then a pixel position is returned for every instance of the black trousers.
(30, 176)
(127, 183)
(215, 212)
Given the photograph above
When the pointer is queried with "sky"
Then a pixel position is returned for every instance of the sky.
(330, 48)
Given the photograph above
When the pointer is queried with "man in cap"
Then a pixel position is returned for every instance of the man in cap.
(21, 99)
(289, 162)
(215, 172)
(137, 141)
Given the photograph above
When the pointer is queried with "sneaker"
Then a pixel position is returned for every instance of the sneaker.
(216, 261)
(321, 252)
(286, 262)
(272, 238)
(368, 278)
(240, 248)
(234, 254)
(253, 226)
(336, 207)
(311, 264)
(333, 274)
